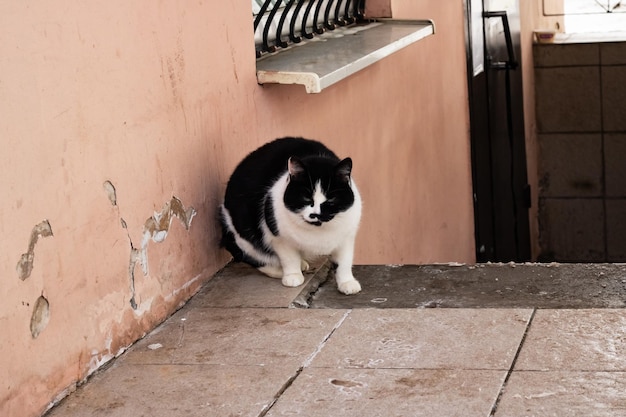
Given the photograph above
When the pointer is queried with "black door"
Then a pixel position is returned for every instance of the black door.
(501, 193)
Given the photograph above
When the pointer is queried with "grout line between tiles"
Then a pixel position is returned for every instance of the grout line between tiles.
(513, 362)
(306, 364)
(281, 391)
(308, 361)
(605, 240)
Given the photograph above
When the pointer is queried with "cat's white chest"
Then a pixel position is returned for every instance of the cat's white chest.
(320, 240)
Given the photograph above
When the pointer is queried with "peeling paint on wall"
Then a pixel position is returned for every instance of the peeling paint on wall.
(110, 190)
(135, 256)
(157, 226)
(156, 229)
(25, 264)
(41, 316)
(100, 358)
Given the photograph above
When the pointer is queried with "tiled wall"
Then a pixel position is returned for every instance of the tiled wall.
(581, 124)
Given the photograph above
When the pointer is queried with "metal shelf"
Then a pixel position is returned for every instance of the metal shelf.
(335, 55)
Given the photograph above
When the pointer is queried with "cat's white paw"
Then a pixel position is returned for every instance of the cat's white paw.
(272, 271)
(293, 280)
(304, 265)
(349, 287)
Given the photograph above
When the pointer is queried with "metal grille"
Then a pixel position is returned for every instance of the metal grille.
(588, 15)
(279, 23)
(580, 7)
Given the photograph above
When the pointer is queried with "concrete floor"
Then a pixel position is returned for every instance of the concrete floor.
(530, 285)
(240, 348)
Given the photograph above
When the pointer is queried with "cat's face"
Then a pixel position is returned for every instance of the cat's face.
(318, 188)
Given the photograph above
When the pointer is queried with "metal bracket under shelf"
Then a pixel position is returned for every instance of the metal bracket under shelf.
(335, 55)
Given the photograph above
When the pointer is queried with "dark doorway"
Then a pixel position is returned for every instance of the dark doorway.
(501, 192)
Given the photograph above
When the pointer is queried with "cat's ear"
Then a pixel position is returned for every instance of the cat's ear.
(295, 166)
(344, 169)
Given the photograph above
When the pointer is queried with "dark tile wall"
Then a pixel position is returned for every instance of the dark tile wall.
(581, 123)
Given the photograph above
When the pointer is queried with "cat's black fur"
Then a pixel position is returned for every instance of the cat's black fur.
(289, 202)
(246, 193)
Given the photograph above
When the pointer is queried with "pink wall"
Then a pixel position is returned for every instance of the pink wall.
(160, 101)
(532, 19)
(405, 123)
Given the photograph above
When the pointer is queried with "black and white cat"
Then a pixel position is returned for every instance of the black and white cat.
(291, 200)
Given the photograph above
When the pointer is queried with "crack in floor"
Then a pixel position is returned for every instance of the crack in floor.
(494, 409)
(306, 364)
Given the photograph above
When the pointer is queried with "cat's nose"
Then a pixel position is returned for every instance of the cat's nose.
(314, 216)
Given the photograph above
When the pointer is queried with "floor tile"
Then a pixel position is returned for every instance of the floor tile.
(572, 229)
(236, 337)
(324, 392)
(571, 394)
(615, 169)
(240, 285)
(566, 93)
(564, 55)
(616, 230)
(426, 339)
(521, 286)
(613, 93)
(570, 165)
(176, 390)
(586, 340)
(613, 53)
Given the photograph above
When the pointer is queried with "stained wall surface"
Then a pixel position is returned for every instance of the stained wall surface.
(531, 19)
(121, 122)
(582, 142)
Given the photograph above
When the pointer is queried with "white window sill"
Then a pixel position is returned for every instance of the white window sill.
(590, 37)
(335, 55)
